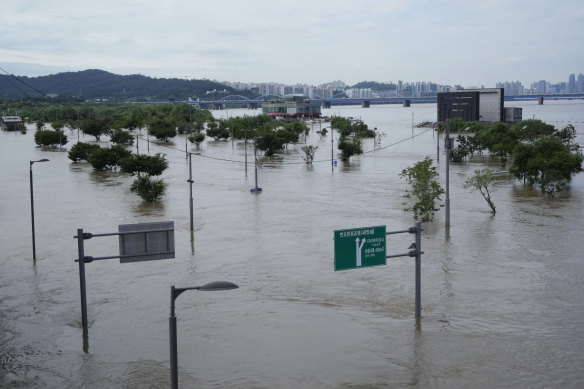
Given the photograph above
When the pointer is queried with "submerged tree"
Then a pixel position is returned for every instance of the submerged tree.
(482, 181)
(153, 165)
(197, 138)
(122, 137)
(425, 189)
(107, 158)
(50, 138)
(349, 147)
(309, 152)
(162, 129)
(149, 189)
(81, 151)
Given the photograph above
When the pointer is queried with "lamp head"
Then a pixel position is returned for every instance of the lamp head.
(217, 285)
(40, 160)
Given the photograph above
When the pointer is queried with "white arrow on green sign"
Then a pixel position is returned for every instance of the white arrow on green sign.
(360, 247)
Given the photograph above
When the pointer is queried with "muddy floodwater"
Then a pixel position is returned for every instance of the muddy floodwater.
(502, 295)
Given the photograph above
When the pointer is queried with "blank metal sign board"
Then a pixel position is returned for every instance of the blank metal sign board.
(146, 241)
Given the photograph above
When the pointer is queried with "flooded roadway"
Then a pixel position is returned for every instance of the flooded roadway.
(502, 295)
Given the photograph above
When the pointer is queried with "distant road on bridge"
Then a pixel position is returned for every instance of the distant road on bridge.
(255, 103)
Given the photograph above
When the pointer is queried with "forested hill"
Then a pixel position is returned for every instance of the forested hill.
(376, 86)
(98, 84)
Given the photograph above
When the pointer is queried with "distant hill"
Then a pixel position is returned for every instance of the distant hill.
(98, 84)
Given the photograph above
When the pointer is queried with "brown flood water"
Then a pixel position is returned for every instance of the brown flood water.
(502, 295)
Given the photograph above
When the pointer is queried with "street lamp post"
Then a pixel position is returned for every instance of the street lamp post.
(174, 293)
(32, 207)
(256, 189)
(447, 199)
(190, 181)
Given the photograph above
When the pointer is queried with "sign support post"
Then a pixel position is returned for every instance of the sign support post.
(138, 242)
(81, 249)
(369, 250)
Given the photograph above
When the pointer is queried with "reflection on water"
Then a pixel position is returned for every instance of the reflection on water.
(501, 294)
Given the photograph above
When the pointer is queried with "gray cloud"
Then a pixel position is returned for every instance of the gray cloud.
(451, 41)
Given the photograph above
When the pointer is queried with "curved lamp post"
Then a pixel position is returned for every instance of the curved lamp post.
(174, 293)
(32, 208)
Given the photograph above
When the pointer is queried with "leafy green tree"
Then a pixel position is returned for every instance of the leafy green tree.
(153, 165)
(288, 135)
(549, 163)
(50, 138)
(349, 148)
(499, 139)
(121, 137)
(80, 151)
(342, 125)
(567, 136)
(218, 132)
(361, 130)
(309, 152)
(58, 125)
(107, 158)
(135, 119)
(522, 165)
(350, 135)
(95, 128)
(297, 128)
(425, 189)
(197, 138)
(483, 182)
(149, 189)
(269, 142)
(162, 129)
(531, 129)
(458, 154)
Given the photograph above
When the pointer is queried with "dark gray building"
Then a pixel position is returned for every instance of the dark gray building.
(472, 105)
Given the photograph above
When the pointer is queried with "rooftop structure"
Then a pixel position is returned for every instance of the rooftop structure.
(292, 107)
(12, 123)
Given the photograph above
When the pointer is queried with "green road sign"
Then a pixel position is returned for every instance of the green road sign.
(359, 247)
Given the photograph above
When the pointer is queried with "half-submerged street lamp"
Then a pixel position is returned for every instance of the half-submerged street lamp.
(174, 293)
(32, 208)
(256, 189)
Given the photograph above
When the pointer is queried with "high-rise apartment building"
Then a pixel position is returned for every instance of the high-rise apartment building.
(572, 83)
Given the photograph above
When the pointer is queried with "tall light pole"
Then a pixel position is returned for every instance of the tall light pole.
(256, 189)
(32, 207)
(190, 181)
(174, 293)
(448, 146)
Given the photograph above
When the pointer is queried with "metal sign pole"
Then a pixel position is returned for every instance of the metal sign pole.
(447, 199)
(173, 342)
(369, 243)
(81, 249)
(145, 242)
(418, 269)
(190, 181)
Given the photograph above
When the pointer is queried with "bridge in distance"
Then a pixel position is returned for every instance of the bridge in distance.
(232, 101)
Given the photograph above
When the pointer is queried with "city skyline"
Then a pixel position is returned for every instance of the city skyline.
(574, 84)
(454, 42)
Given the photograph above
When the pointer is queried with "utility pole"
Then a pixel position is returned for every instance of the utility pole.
(412, 124)
(245, 148)
(332, 152)
(447, 144)
(190, 181)
(438, 142)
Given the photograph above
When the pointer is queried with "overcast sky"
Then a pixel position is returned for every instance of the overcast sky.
(465, 42)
